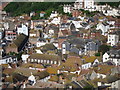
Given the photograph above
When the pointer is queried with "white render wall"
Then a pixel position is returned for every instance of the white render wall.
(1, 34)
(116, 85)
(67, 9)
(113, 39)
(8, 60)
(25, 57)
(88, 4)
(86, 66)
(39, 44)
(23, 29)
(105, 57)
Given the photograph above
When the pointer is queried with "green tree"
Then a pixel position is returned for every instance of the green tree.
(104, 48)
(97, 54)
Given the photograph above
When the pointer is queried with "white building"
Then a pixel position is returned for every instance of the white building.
(22, 29)
(111, 12)
(39, 43)
(6, 25)
(1, 30)
(90, 64)
(115, 85)
(106, 57)
(1, 34)
(38, 51)
(79, 4)
(113, 39)
(85, 4)
(96, 62)
(77, 24)
(89, 5)
(86, 66)
(56, 20)
(8, 59)
(54, 14)
(104, 27)
(113, 55)
(25, 57)
(67, 8)
(32, 79)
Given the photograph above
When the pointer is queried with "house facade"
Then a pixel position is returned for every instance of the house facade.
(67, 8)
(65, 47)
(79, 4)
(89, 5)
(86, 66)
(8, 59)
(113, 39)
(115, 85)
(25, 57)
(44, 59)
(104, 27)
(22, 29)
(92, 47)
(10, 34)
(113, 55)
(1, 34)
(67, 26)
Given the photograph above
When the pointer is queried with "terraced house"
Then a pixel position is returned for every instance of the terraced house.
(44, 59)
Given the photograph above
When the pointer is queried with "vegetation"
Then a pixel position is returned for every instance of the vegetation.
(19, 8)
(88, 13)
(112, 4)
(104, 48)
(97, 54)
(18, 55)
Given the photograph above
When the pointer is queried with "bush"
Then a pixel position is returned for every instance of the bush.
(104, 48)
(97, 54)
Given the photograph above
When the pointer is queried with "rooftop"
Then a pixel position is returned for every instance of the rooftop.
(45, 57)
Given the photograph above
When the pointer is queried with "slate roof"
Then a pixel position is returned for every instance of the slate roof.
(19, 40)
(114, 53)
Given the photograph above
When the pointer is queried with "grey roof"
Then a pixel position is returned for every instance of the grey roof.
(9, 57)
(114, 53)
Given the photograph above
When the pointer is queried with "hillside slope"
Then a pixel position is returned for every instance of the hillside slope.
(18, 8)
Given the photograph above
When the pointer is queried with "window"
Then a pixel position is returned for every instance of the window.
(38, 61)
(9, 60)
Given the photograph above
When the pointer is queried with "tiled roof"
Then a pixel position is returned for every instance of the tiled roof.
(45, 57)
(89, 59)
(103, 69)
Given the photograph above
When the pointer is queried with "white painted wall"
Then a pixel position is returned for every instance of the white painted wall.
(113, 39)
(23, 29)
(105, 57)
(39, 44)
(86, 66)
(25, 57)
